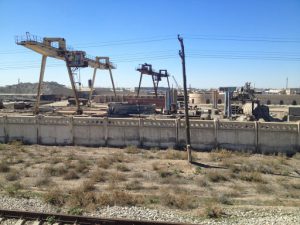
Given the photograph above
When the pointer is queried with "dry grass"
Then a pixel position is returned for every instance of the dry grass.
(55, 170)
(134, 185)
(13, 175)
(4, 166)
(71, 175)
(132, 150)
(174, 154)
(99, 175)
(81, 178)
(180, 200)
(214, 211)
(122, 167)
(251, 177)
(216, 176)
(55, 197)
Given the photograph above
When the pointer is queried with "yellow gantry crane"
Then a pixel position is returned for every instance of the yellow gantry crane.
(56, 48)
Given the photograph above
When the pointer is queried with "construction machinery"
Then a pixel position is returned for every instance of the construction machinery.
(146, 69)
(55, 47)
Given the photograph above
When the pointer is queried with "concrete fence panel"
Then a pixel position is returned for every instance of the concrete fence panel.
(202, 134)
(21, 128)
(49, 130)
(89, 131)
(159, 133)
(123, 132)
(55, 130)
(236, 135)
(277, 137)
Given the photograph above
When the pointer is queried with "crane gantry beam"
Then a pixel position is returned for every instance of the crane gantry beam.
(146, 69)
(55, 47)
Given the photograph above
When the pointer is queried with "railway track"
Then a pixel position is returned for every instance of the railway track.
(37, 218)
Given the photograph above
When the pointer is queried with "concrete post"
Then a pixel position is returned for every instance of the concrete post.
(106, 130)
(6, 137)
(298, 142)
(256, 125)
(177, 124)
(141, 135)
(72, 129)
(216, 129)
(37, 124)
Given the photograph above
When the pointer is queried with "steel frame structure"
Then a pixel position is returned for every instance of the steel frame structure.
(146, 69)
(55, 47)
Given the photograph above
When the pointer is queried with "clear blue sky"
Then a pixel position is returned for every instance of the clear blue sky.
(228, 42)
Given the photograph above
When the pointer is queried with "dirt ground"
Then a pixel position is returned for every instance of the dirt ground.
(85, 178)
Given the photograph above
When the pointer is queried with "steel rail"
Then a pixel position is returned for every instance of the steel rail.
(71, 219)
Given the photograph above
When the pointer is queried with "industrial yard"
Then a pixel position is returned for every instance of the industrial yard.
(149, 112)
(218, 185)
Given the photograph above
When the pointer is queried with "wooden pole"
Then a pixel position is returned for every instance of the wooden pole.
(187, 121)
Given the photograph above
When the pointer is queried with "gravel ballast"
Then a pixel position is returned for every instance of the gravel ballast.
(233, 215)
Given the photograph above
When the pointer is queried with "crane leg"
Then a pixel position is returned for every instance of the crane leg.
(154, 86)
(92, 87)
(79, 110)
(38, 97)
(138, 91)
(112, 82)
(168, 83)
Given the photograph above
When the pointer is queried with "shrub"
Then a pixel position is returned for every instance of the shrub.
(215, 176)
(104, 163)
(4, 167)
(134, 185)
(220, 155)
(43, 181)
(179, 200)
(121, 198)
(155, 166)
(202, 182)
(251, 176)
(99, 175)
(12, 176)
(116, 177)
(87, 186)
(57, 170)
(164, 174)
(75, 211)
(214, 211)
(175, 154)
(132, 149)
(224, 199)
(13, 189)
(82, 166)
(81, 199)
(123, 168)
(71, 175)
(55, 197)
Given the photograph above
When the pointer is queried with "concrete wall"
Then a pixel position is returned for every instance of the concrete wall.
(163, 133)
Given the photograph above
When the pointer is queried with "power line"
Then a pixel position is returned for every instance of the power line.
(173, 37)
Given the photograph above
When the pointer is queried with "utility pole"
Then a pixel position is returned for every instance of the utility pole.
(187, 121)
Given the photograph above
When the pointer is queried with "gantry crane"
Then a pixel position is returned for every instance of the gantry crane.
(146, 69)
(56, 48)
